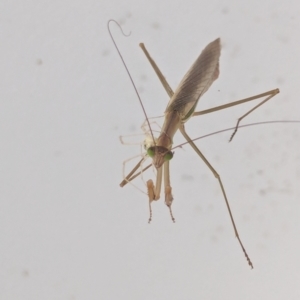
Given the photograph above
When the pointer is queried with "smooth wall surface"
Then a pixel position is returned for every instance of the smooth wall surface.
(67, 230)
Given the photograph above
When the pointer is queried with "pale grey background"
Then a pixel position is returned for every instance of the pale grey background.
(67, 230)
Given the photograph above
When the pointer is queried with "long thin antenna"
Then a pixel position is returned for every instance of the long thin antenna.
(134, 86)
(231, 128)
(130, 176)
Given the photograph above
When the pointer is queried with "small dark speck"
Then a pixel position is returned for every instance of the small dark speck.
(260, 218)
(285, 227)
(255, 80)
(250, 176)
(122, 21)
(257, 19)
(260, 172)
(273, 203)
(217, 159)
(210, 207)
(25, 273)
(266, 235)
(246, 218)
(156, 25)
(283, 39)
(187, 177)
(225, 10)
(105, 52)
(141, 89)
(39, 62)
(198, 208)
(280, 80)
(143, 77)
(235, 52)
(219, 229)
(262, 192)
(57, 153)
(132, 128)
(213, 239)
(261, 246)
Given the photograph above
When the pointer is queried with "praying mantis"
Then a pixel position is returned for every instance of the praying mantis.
(180, 109)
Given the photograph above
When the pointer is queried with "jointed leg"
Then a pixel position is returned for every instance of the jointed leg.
(157, 71)
(131, 175)
(182, 130)
(170, 92)
(268, 95)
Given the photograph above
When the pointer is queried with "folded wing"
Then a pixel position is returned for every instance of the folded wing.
(196, 81)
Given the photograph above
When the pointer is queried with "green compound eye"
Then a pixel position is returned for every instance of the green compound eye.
(151, 151)
(168, 156)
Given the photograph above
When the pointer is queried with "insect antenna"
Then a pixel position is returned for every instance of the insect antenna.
(242, 126)
(126, 68)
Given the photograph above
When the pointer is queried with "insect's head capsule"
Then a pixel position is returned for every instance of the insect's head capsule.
(151, 151)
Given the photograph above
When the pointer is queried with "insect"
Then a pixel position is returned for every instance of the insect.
(180, 109)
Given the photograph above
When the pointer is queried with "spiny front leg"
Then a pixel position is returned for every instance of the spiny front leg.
(154, 192)
(151, 195)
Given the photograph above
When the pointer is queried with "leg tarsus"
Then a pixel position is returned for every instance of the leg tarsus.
(151, 195)
(235, 129)
(169, 200)
(271, 95)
